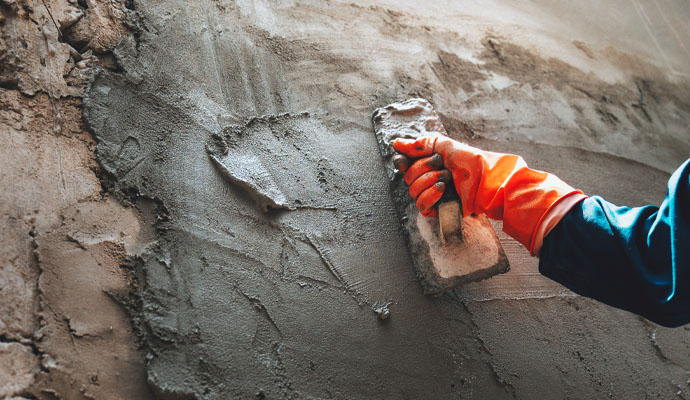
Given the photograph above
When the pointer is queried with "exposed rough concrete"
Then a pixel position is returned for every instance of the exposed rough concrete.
(92, 349)
(240, 301)
(64, 244)
(18, 366)
(43, 48)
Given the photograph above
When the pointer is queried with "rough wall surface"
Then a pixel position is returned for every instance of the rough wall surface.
(232, 301)
(62, 335)
(239, 302)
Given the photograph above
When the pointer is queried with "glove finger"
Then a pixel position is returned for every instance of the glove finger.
(429, 197)
(422, 166)
(401, 162)
(427, 180)
(433, 213)
(415, 148)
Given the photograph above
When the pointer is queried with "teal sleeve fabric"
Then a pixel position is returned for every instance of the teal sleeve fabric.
(636, 259)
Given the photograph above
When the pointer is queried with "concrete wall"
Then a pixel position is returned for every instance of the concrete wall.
(231, 301)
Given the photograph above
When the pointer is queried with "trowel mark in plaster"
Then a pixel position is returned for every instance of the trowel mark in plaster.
(235, 70)
(260, 309)
(289, 271)
(331, 267)
(267, 342)
(652, 335)
(380, 307)
(267, 157)
(277, 159)
(255, 180)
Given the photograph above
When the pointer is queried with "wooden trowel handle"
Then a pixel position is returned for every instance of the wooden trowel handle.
(449, 194)
(450, 216)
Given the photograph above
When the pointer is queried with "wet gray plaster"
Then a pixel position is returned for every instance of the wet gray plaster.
(242, 302)
(264, 156)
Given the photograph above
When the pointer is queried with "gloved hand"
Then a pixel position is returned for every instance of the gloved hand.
(498, 185)
(427, 181)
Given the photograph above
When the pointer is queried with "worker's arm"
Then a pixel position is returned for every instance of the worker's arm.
(634, 259)
(498, 185)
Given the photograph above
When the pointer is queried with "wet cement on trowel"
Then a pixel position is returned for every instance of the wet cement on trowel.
(469, 254)
(248, 294)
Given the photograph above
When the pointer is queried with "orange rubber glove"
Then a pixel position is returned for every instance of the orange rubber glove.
(426, 179)
(498, 185)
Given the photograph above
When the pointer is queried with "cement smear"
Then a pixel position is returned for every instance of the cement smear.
(269, 157)
(243, 298)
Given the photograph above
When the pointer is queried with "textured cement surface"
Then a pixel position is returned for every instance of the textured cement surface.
(239, 302)
(235, 302)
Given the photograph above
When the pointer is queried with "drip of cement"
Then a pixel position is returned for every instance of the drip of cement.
(381, 309)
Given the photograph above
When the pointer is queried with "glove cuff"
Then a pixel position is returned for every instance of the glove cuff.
(504, 188)
(552, 217)
(528, 197)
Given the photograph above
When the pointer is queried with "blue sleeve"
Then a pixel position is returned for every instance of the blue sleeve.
(636, 259)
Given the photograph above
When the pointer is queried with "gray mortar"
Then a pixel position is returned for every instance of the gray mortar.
(240, 303)
(264, 156)
(382, 309)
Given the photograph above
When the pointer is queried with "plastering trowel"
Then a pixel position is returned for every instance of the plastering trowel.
(450, 250)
